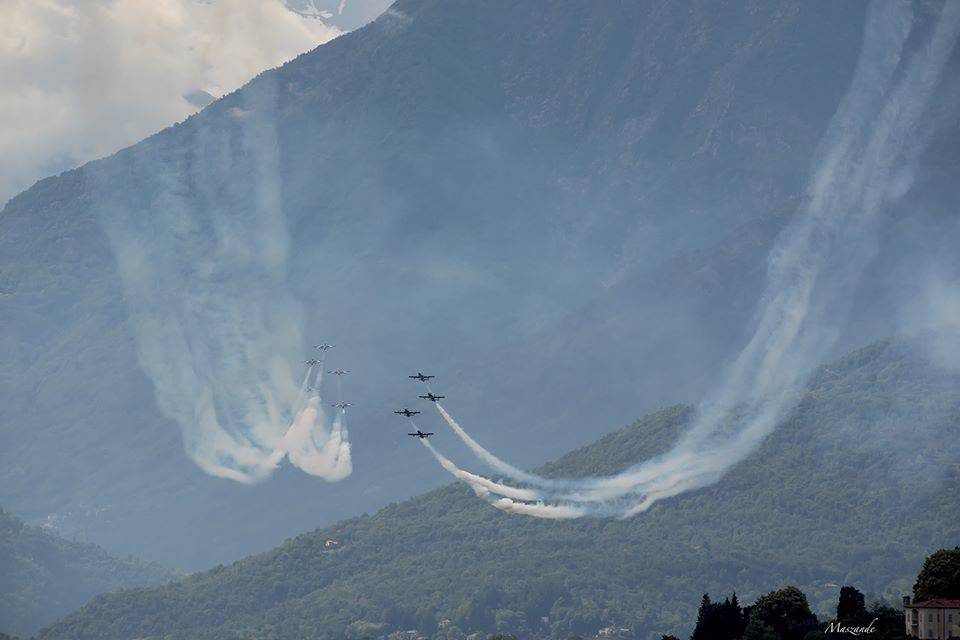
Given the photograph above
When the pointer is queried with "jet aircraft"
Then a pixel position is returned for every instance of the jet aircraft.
(432, 396)
(420, 434)
(338, 372)
(342, 405)
(406, 412)
(312, 362)
(324, 346)
(421, 377)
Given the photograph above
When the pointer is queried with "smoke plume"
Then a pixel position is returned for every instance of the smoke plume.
(202, 247)
(315, 446)
(864, 164)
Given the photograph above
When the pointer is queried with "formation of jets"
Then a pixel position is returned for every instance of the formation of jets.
(312, 362)
(422, 377)
(408, 413)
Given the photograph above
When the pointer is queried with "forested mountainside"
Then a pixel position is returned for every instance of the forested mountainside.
(831, 498)
(44, 576)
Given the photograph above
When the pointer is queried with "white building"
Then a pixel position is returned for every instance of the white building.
(932, 619)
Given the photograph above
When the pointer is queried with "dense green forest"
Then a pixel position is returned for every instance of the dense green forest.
(833, 497)
(43, 576)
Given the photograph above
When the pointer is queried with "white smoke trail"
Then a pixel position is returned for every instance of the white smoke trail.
(313, 447)
(304, 439)
(338, 449)
(596, 490)
(203, 262)
(202, 248)
(482, 486)
(302, 394)
(513, 499)
(574, 490)
(870, 146)
(493, 461)
(865, 159)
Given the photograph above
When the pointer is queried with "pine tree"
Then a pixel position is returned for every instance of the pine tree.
(719, 621)
(851, 608)
(737, 620)
(704, 615)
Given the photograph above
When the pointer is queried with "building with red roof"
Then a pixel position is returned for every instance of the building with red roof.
(937, 619)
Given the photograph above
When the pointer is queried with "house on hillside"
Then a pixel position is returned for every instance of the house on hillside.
(932, 619)
(608, 633)
(329, 544)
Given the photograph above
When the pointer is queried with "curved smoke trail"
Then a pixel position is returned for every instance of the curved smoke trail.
(302, 394)
(481, 486)
(496, 463)
(863, 165)
(337, 449)
(202, 248)
(512, 499)
(312, 446)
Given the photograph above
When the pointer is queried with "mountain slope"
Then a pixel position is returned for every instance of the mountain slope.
(507, 193)
(832, 497)
(43, 576)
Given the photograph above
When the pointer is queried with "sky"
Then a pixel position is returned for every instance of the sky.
(81, 79)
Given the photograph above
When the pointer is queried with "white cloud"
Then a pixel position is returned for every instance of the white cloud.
(80, 79)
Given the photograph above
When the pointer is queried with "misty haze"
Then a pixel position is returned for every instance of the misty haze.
(468, 320)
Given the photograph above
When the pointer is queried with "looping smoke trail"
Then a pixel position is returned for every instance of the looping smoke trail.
(493, 461)
(863, 163)
(512, 500)
(302, 394)
(202, 248)
(819, 258)
(479, 482)
(338, 449)
(313, 447)
(572, 490)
